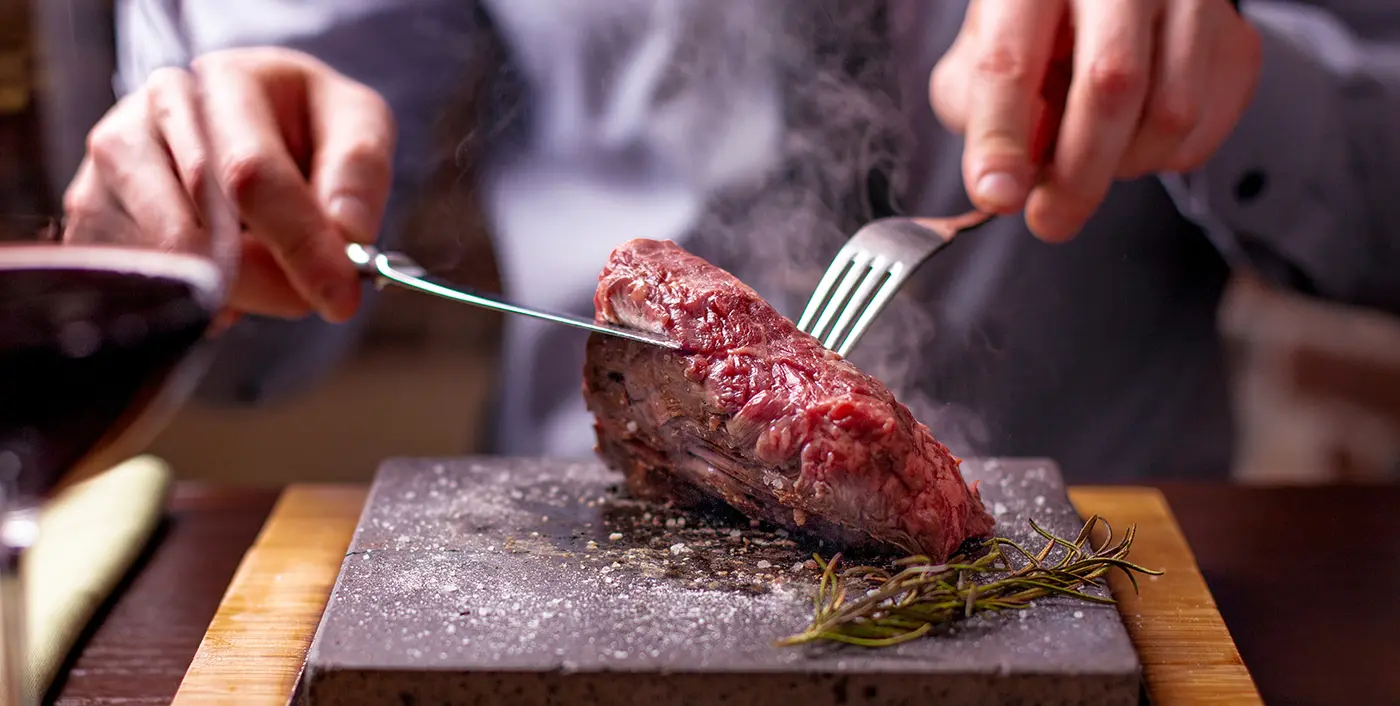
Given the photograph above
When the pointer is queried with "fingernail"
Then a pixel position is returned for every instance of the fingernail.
(999, 189)
(351, 214)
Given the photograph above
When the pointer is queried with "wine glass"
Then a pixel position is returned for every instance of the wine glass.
(106, 311)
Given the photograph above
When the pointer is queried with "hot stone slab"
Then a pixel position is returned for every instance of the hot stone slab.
(491, 580)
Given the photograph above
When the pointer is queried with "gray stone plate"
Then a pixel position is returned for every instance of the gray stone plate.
(526, 581)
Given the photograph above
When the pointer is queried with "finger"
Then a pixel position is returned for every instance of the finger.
(1011, 56)
(263, 287)
(132, 164)
(1231, 90)
(273, 198)
(171, 107)
(948, 85)
(1112, 59)
(1181, 75)
(89, 210)
(224, 320)
(351, 169)
(1053, 96)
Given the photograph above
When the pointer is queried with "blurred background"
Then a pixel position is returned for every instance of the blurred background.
(1317, 385)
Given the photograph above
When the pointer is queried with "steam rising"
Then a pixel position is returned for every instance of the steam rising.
(779, 122)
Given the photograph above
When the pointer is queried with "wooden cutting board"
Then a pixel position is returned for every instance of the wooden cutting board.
(257, 643)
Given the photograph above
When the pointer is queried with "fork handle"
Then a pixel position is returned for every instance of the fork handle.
(948, 228)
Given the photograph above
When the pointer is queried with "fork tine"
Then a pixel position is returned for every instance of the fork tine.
(860, 263)
(814, 304)
(898, 273)
(879, 268)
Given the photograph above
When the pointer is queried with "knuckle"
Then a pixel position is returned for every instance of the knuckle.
(168, 79)
(1005, 63)
(382, 114)
(258, 61)
(194, 173)
(369, 157)
(1115, 80)
(78, 202)
(945, 98)
(375, 102)
(167, 91)
(73, 199)
(210, 62)
(105, 140)
(83, 204)
(288, 57)
(246, 170)
(223, 58)
(1175, 113)
(245, 60)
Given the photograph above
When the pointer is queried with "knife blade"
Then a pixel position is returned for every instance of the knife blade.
(399, 269)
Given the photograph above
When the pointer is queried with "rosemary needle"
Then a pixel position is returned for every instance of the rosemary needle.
(915, 596)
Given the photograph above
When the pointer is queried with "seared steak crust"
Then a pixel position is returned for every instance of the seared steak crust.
(759, 415)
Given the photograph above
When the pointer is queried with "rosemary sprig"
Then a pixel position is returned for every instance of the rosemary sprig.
(916, 596)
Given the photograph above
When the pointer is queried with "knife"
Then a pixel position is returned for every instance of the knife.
(396, 268)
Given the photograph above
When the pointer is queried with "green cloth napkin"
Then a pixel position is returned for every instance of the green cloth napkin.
(89, 535)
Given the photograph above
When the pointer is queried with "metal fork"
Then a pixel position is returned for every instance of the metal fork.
(875, 263)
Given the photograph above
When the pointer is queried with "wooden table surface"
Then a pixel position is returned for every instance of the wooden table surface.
(1306, 579)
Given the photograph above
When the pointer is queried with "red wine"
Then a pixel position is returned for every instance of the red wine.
(90, 339)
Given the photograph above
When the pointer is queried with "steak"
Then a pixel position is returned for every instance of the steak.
(757, 414)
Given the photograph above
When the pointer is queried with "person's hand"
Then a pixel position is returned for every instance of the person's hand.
(302, 151)
(1097, 89)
